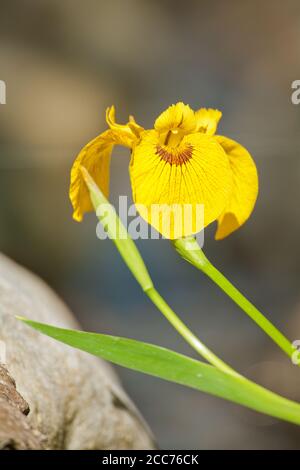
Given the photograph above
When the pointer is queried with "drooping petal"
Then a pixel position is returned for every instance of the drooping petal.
(179, 116)
(187, 178)
(244, 189)
(95, 157)
(207, 120)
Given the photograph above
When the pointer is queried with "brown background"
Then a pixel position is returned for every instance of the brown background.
(63, 63)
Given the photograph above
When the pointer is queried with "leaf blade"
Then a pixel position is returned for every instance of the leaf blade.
(172, 366)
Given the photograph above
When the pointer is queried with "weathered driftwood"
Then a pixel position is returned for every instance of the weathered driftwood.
(63, 398)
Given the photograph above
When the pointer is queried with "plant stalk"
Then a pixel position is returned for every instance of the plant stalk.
(189, 249)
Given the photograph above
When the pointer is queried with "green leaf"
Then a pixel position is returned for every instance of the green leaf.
(174, 367)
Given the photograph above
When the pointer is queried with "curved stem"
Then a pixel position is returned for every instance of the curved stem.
(190, 250)
(186, 333)
(250, 309)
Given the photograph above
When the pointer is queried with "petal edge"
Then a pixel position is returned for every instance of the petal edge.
(244, 189)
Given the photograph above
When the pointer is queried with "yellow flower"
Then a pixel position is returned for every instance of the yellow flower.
(180, 163)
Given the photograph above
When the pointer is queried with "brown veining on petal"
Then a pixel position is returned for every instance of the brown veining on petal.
(175, 156)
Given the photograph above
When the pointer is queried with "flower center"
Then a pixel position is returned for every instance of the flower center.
(175, 155)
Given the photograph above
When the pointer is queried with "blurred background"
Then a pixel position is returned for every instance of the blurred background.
(63, 63)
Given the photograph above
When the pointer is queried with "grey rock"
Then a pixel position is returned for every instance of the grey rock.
(75, 399)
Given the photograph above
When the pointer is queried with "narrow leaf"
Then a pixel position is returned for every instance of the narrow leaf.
(174, 367)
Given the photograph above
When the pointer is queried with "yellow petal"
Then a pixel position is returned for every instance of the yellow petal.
(244, 189)
(207, 120)
(95, 157)
(127, 129)
(179, 116)
(194, 173)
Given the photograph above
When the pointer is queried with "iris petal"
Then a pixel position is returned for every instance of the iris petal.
(244, 188)
(95, 157)
(207, 120)
(179, 116)
(194, 173)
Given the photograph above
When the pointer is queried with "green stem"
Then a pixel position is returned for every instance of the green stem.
(191, 251)
(186, 333)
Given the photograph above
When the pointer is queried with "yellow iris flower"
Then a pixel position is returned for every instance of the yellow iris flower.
(179, 162)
